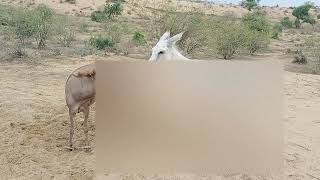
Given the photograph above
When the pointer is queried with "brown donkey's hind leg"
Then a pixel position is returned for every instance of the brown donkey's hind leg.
(72, 115)
(85, 127)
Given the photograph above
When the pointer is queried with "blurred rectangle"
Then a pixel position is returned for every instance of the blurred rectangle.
(189, 117)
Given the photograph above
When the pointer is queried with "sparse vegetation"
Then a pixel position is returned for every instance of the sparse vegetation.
(138, 38)
(71, 1)
(285, 22)
(302, 14)
(64, 31)
(110, 11)
(23, 27)
(276, 30)
(43, 19)
(228, 39)
(255, 40)
(113, 10)
(313, 45)
(306, 28)
(257, 21)
(258, 31)
(98, 16)
(249, 4)
(102, 42)
(299, 57)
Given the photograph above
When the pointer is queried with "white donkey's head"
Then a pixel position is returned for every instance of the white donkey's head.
(165, 49)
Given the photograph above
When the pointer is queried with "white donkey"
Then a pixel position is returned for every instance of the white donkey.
(165, 49)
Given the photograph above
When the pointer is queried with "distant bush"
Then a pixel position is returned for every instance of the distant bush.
(285, 22)
(302, 13)
(313, 45)
(306, 28)
(249, 4)
(64, 31)
(71, 1)
(276, 30)
(5, 16)
(112, 10)
(83, 26)
(257, 21)
(318, 16)
(98, 16)
(102, 42)
(309, 20)
(299, 57)
(255, 41)
(138, 38)
(229, 39)
(23, 28)
(43, 20)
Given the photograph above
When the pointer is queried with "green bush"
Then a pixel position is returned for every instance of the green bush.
(24, 25)
(285, 22)
(249, 4)
(318, 17)
(257, 21)
(98, 16)
(102, 42)
(313, 45)
(23, 28)
(112, 10)
(255, 41)
(6, 16)
(276, 30)
(306, 28)
(300, 58)
(229, 38)
(309, 20)
(138, 38)
(43, 19)
(302, 13)
(71, 1)
(64, 32)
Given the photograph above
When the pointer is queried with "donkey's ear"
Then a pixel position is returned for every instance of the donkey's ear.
(165, 36)
(175, 38)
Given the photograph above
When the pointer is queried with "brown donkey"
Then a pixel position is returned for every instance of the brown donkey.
(80, 95)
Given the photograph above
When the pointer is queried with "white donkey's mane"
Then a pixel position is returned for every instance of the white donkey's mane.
(166, 48)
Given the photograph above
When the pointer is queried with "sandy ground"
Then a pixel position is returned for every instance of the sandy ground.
(34, 125)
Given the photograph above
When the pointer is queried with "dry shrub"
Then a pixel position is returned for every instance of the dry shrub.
(300, 57)
(306, 28)
(228, 38)
(313, 45)
(64, 31)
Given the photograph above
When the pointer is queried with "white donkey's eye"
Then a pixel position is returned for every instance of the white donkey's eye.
(161, 52)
